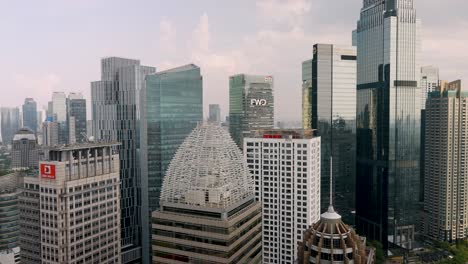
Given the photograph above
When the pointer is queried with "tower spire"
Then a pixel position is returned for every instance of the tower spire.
(330, 207)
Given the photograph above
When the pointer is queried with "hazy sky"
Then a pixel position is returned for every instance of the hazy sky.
(56, 45)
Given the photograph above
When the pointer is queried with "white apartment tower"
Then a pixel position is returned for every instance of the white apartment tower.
(70, 213)
(286, 169)
(446, 169)
(429, 82)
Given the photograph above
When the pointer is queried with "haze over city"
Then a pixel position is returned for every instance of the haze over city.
(57, 45)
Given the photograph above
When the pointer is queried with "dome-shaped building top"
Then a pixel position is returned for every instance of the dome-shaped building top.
(24, 133)
(330, 240)
(208, 170)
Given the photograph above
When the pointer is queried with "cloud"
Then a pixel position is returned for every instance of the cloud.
(167, 35)
(289, 12)
(39, 87)
(202, 35)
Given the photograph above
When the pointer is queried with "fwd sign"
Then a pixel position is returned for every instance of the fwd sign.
(260, 102)
(47, 171)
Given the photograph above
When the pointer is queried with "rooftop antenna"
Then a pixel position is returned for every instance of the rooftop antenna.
(330, 208)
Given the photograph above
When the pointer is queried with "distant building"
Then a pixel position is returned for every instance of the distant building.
(9, 218)
(286, 169)
(429, 83)
(10, 123)
(116, 117)
(208, 210)
(446, 169)
(76, 118)
(25, 150)
(172, 106)
(30, 114)
(70, 213)
(251, 105)
(50, 133)
(329, 106)
(214, 114)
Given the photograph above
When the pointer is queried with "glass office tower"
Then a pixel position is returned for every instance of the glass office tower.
(76, 118)
(172, 106)
(388, 121)
(10, 123)
(116, 117)
(30, 114)
(329, 81)
(251, 105)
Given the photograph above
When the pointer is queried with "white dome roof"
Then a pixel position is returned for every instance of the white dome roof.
(207, 170)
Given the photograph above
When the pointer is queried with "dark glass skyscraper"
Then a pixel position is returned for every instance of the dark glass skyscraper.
(172, 106)
(30, 114)
(388, 121)
(116, 116)
(251, 105)
(329, 83)
(76, 118)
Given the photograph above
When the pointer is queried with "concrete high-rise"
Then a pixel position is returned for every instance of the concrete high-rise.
(116, 116)
(388, 122)
(251, 105)
(50, 133)
(429, 83)
(329, 85)
(208, 209)
(10, 123)
(76, 217)
(172, 106)
(214, 114)
(446, 170)
(25, 151)
(286, 169)
(30, 114)
(76, 118)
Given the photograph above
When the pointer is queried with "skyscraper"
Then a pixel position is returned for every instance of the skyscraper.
(329, 85)
(10, 118)
(76, 118)
(78, 207)
(208, 209)
(25, 151)
(50, 133)
(116, 116)
(286, 169)
(251, 105)
(30, 114)
(59, 115)
(172, 106)
(388, 121)
(9, 217)
(446, 170)
(429, 82)
(215, 114)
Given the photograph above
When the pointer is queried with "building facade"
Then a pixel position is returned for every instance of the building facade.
(429, 83)
(25, 151)
(388, 122)
(208, 209)
(10, 123)
(116, 116)
(446, 171)
(9, 214)
(172, 106)
(251, 105)
(78, 215)
(76, 118)
(214, 114)
(330, 108)
(30, 114)
(286, 169)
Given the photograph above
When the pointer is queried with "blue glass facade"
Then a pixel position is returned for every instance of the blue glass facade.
(172, 106)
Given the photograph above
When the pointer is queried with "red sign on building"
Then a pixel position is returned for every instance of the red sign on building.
(47, 171)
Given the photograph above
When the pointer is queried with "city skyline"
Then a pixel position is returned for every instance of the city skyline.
(216, 41)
